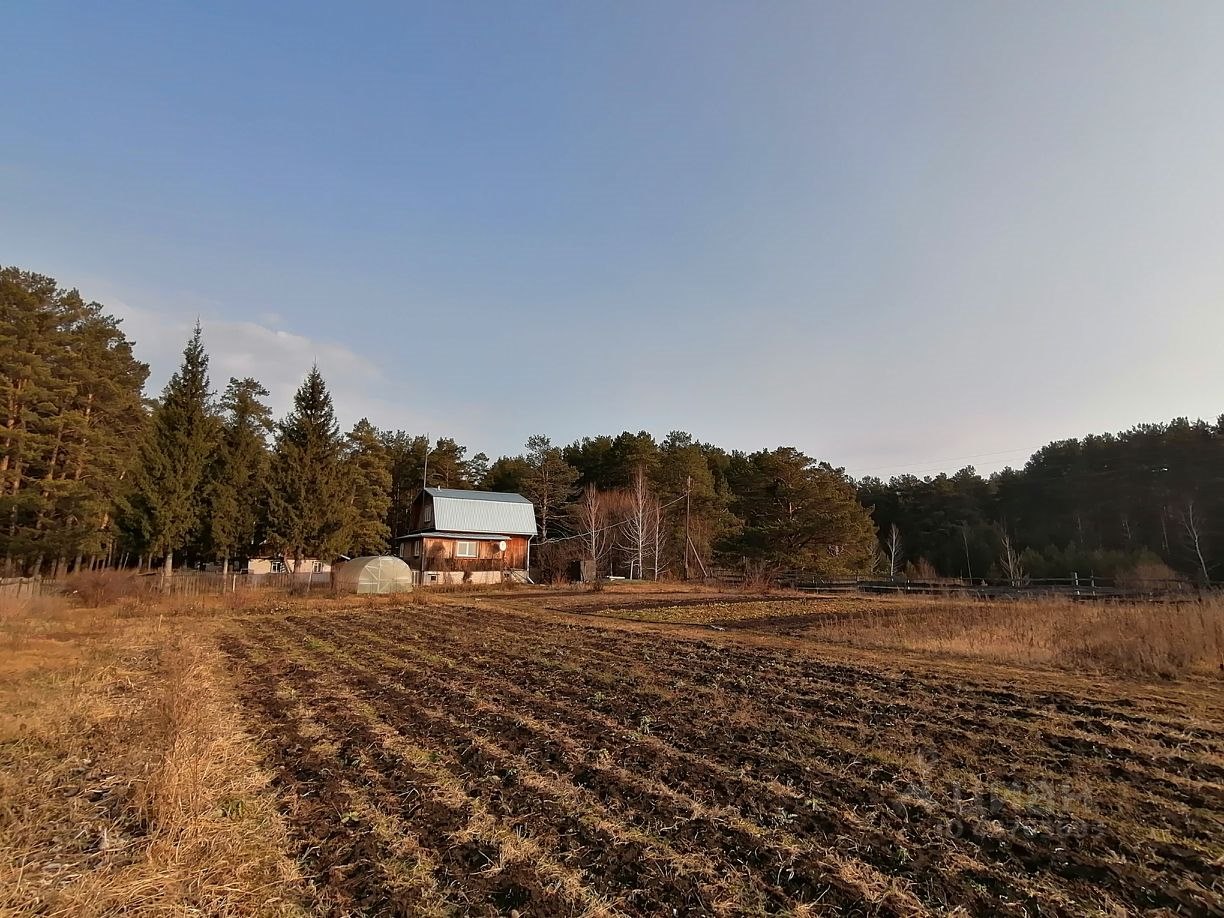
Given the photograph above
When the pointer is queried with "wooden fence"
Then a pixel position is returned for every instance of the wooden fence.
(205, 583)
(182, 583)
(20, 587)
(1089, 587)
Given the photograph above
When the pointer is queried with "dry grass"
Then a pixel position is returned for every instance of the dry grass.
(1153, 639)
(1136, 638)
(124, 782)
(103, 588)
(127, 783)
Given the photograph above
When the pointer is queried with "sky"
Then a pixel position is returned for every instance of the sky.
(903, 237)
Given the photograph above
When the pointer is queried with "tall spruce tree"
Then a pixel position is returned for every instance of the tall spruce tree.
(309, 488)
(369, 468)
(237, 486)
(169, 483)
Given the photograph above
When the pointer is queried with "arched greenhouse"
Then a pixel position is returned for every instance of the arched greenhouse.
(373, 574)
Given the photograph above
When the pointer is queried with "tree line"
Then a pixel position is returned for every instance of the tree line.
(1144, 503)
(94, 474)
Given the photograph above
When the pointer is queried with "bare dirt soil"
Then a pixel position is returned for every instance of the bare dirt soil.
(493, 757)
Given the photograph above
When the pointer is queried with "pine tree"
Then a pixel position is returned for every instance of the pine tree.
(369, 467)
(406, 456)
(169, 478)
(447, 466)
(70, 411)
(309, 488)
(507, 473)
(551, 482)
(106, 418)
(237, 484)
(684, 477)
(800, 513)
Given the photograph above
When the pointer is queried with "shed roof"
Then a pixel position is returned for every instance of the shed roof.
(482, 512)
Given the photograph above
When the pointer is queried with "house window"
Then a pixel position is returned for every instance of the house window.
(466, 550)
(277, 567)
(426, 516)
(416, 549)
(318, 567)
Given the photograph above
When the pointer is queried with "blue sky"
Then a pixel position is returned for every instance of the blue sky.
(902, 237)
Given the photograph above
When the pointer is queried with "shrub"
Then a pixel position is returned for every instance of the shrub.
(553, 561)
(759, 577)
(102, 588)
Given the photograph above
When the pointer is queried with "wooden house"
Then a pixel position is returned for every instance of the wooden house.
(468, 536)
(281, 565)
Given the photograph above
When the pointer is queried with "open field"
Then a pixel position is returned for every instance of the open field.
(630, 751)
(1161, 639)
(467, 758)
(128, 783)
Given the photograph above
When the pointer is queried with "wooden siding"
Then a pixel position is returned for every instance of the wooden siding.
(416, 512)
(440, 554)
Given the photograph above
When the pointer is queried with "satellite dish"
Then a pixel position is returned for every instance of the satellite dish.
(501, 546)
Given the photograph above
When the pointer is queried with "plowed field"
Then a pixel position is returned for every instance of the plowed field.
(450, 760)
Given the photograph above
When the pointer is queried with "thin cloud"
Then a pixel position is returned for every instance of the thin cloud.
(278, 358)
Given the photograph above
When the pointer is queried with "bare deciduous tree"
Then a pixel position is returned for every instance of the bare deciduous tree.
(594, 515)
(656, 538)
(1010, 560)
(641, 531)
(892, 549)
(1191, 524)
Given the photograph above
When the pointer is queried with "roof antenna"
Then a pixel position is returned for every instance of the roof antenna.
(425, 474)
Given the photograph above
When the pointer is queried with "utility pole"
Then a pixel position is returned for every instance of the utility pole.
(688, 494)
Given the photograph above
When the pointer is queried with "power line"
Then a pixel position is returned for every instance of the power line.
(582, 535)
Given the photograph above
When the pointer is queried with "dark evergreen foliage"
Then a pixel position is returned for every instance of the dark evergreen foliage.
(309, 492)
(169, 475)
(90, 475)
(70, 396)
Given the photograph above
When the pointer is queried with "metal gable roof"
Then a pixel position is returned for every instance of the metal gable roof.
(474, 536)
(482, 511)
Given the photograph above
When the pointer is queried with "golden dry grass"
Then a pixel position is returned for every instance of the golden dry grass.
(129, 784)
(126, 782)
(1132, 638)
(715, 609)
(1154, 639)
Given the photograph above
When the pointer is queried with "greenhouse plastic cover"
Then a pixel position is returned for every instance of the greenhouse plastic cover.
(374, 574)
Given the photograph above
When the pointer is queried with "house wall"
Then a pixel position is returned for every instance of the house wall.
(472, 576)
(420, 513)
(264, 566)
(488, 567)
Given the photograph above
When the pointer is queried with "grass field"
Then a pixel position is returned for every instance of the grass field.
(552, 752)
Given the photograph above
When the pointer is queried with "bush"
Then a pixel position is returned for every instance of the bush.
(1152, 574)
(759, 577)
(102, 588)
(553, 561)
